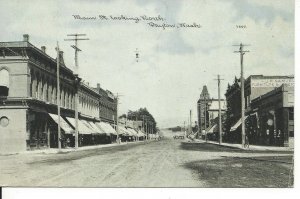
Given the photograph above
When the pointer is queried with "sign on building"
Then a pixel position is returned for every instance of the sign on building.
(256, 83)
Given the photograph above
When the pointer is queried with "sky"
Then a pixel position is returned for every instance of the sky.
(174, 63)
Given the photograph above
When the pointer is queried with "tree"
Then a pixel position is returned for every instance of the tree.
(142, 115)
(123, 116)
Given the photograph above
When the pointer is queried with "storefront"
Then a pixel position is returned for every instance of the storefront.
(110, 132)
(272, 120)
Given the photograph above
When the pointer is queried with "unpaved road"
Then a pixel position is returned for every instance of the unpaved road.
(146, 164)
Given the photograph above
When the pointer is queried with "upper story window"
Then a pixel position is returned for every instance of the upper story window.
(4, 82)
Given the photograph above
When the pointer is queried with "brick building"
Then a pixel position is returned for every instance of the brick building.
(28, 99)
(257, 87)
(271, 120)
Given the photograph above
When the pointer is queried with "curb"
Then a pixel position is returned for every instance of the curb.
(70, 150)
(241, 148)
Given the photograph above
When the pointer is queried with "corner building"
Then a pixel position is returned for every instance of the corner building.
(269, 110)
(28, 99)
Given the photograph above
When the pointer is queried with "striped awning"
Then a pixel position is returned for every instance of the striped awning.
(95, 128)
(107, 128)
(213, 129)
(237, 124)
(82, 127)
(133, 132)
(63, 124)
(141, 134)
(124, 131)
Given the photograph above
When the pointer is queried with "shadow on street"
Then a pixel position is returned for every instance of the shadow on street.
(258, 172)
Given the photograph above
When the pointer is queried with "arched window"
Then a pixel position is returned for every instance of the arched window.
(4, 82)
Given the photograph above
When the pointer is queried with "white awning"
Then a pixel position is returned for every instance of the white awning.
(124, 131)
(95, 128)
(110, 128)
(133, 132)
(237, 124)
(107, 128)
(141, 134)
(211, 130)
(82, 127)
(102, 127)
(63, 124)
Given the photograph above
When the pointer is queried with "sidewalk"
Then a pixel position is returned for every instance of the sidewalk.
(67, 150)
(251, 147)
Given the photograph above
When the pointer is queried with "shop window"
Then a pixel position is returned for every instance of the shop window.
(4, 82)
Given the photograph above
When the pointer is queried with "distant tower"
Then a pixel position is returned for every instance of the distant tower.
(204, 93)
(202, 109)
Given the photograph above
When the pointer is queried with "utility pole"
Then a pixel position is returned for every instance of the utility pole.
(136, 137)
(147, 129)
(205, 117)
(117, 119)
(199, 120)
(220, 114)
(151, 130)
(144, 123)
(242, 53)
(117, 115)
(58, 96)
(190, 121)
(77, 79)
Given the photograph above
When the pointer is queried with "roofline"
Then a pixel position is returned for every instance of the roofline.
(27, 44)
(269, 76)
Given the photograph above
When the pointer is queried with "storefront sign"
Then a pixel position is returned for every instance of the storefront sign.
(256, 83)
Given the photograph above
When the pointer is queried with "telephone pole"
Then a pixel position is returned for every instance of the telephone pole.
(190, 121)
(117, 119)
(242, 53)
(205, 107)
(58, 97)
(77, 79)
(220, 114)
(144, 123)
(117, 115)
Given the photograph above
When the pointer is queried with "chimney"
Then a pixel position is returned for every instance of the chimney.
(26, 37)
(43, 49)
(98, 86)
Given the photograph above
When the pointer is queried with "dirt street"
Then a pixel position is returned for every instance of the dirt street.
(165, 163)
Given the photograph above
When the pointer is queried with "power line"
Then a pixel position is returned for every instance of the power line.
(76, 39)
